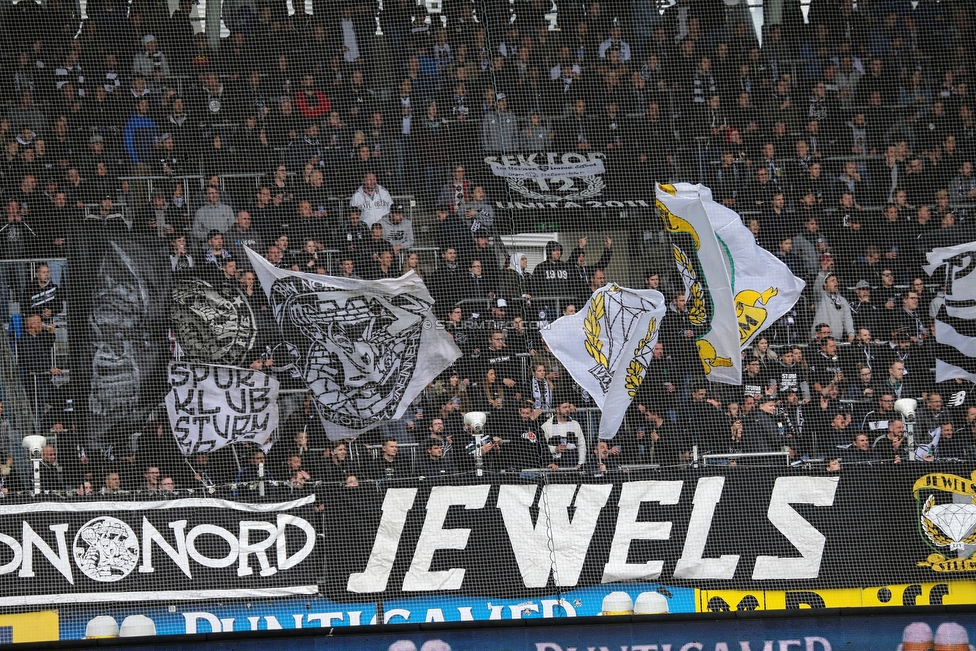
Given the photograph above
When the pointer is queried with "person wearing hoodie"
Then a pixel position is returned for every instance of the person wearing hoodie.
(551, 278)
(516, 280)
(580, 274)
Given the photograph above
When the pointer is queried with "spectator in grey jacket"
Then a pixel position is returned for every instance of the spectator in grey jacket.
(213, 215)
(499, 128)
(397, 230)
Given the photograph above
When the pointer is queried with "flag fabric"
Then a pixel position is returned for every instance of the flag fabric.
(365, 348)
(608, 345)
(704, 267)
(763, 287)
(955, 327)
(211, 406)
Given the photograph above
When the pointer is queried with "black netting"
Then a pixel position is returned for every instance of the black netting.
(167, 166)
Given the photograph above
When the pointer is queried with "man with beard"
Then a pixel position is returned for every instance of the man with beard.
(564, 438)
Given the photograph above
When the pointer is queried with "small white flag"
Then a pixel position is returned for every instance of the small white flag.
(211, 406)
(608, 345)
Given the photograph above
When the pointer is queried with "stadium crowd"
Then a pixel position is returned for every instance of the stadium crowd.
(842, 140)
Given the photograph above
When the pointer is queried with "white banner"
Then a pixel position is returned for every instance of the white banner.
(608, 345)
(703, 265)
(210, 406)
(958, 263)
(365, 348)
(955, 332)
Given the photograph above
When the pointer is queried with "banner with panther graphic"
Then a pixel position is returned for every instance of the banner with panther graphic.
(764, 287)
(617, 329)
(703, 265)
(365, 348)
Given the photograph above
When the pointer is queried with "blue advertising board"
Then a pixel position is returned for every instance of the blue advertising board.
(941, 631)
(285, 614)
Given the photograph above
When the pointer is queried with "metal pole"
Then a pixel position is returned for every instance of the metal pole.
(37, 476)
(212, 28)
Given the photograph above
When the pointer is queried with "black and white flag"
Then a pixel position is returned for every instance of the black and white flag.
(955, 322)
(365, 348)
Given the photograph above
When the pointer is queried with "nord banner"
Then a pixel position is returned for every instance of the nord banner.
(741, 537)
(197, 548)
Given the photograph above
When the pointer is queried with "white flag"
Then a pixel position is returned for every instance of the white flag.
(704, 269)
(953, 267)
(764, 288)
(210, 406)
(608, 345)
(365, 348)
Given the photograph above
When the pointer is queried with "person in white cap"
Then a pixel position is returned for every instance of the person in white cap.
(151, 62)
(916, 637)
(950, 636)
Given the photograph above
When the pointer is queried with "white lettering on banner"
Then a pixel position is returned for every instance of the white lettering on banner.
(570, 540)
(809, 643)
(61, 561)
(17, 554)
(259, 549)
(691, 565)
(179, 556)
(220, 532)
(396, 504)
(632, 495)
(285, 561)
(241, 547)
(434, 537)
(818, 491)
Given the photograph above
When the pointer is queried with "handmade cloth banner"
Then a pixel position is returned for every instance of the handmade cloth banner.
(210, 406)
(212, 323)
(617, 329)
(703, 266)
(365, 348)
(955, 328)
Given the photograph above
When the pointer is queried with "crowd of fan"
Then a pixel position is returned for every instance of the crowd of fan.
(841, 142)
